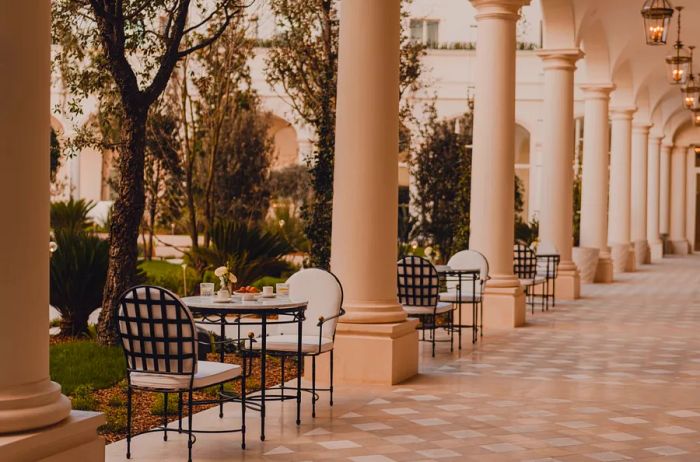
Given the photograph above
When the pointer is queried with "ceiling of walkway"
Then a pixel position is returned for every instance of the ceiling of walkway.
(611, 34)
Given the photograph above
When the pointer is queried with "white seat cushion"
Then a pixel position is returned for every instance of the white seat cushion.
(208, 373)
(467, 296)
(532, 282)
(422, 310)
(290, 343)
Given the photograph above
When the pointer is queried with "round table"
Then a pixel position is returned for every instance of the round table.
(209, 312)
(461, 276)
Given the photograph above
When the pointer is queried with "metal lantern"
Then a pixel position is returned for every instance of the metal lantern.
(691, 91)
(657, 16)
(678, 64)
(696, 117)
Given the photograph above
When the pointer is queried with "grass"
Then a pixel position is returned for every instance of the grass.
(87, 364)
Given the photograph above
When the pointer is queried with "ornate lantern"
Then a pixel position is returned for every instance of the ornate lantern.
(691, 90)
(657, 16)
(678, 63)
(696, 117)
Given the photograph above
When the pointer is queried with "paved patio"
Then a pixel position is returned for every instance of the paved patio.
(613, 376)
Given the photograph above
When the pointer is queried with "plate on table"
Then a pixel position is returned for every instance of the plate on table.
(248, 296)
(216, 300)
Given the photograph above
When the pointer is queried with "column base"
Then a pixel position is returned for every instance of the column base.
(568, 286)
(623, 258)
(382, 354)
(32, 406)
(656, 251)
(679, 247)
(641, 252)
(604, 270)
(75, 438)
(504, 307)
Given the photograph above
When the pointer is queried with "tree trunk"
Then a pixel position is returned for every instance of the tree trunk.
(126, 218)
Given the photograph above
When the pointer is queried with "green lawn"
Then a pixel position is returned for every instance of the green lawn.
(163, 274)
(85, 362)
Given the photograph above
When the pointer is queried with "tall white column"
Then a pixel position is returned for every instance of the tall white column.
(691, 199)
(654, 198)
(365, 218)
(493, 171)
(619, 212)
(679, 178)
(665, 189)
(595, 181)
(556, 218)
(638, 182)
(28, 398)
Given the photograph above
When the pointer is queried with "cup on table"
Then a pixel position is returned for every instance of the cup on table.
(282, 289)
(268, 291)
(206, 289)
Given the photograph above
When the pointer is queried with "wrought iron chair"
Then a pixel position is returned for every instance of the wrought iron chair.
(419, 291)
(159, 340)
(468, 293)
(525, 269)
(324, 294)
(548, 267)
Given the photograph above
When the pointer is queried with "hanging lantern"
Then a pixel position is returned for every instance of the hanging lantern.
(696, 117)
(657, 16)
(678, 63)
(691, 90)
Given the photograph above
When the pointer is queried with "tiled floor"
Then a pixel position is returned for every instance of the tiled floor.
(614, 376)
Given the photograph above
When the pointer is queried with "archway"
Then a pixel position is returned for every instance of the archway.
(285, 142)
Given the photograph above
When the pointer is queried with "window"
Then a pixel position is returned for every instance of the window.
(425, 31)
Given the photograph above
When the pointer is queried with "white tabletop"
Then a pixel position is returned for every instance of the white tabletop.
(262, 303)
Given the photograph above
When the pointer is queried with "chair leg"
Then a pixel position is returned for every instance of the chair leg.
(282, 373)
(128, 423)
(481, 321)
(165, 417)
(190, 441)
(331, 371)
(243, 411)
(452, 330)
(313, 386)
(179, 412)
(433, 333)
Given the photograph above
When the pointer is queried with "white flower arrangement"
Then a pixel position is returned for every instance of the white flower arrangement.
(225, 276)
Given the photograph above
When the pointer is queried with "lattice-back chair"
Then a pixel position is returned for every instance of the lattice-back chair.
(525, 269)
(159, 339)
(418, 284)
(470, 292)
(548, 267)
(324, 294)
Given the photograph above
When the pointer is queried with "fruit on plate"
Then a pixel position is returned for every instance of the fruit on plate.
(248, 290)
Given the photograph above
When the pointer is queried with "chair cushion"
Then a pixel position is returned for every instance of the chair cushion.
(423, 310)
(208, 373)
(532, 282)
(290, 343)
(467, 296)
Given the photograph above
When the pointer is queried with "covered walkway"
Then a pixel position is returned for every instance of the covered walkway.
(611, 376)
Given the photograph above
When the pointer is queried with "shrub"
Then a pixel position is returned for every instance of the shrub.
(78, 275)
(71, 215)
(83, 398)
(158, 408)
(116, 420)
(249, 251)
(169, 276)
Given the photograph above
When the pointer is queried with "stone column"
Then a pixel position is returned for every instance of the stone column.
(36, 422)
(493, 172)
(665, 189)
(365, 201)
(653, 198)
(679, 178)
(556, 218)
(691, 199)
(619, 211)
(595, 181)
(28, 399)
(638, 182)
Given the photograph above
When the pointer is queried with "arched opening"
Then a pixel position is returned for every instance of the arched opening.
(523, 169)
(285, 142)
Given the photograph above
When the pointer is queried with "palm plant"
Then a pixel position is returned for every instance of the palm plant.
(78, 275)
(249, 251)
(71, 215)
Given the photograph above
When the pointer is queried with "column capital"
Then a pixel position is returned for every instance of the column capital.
(563, 59)
(641, 127)
(597, 90)
(655, 137)
(622, 112)
(498, 9)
